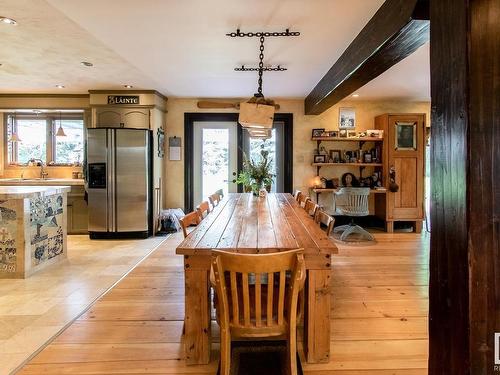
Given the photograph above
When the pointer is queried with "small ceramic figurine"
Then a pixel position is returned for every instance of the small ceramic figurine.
(262, 192)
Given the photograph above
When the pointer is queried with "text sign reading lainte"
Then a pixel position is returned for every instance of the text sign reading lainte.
(123, 99)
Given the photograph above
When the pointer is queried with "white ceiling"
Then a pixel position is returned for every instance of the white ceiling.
(180, 49)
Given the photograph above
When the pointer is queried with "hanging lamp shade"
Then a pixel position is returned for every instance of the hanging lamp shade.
(260, 133)
(60, 130)
(14, 137)
(257, 113)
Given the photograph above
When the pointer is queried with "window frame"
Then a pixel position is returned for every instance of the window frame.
(51, 124)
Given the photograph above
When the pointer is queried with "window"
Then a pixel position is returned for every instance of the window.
(38, 140)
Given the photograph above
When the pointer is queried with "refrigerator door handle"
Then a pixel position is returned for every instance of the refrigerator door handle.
(111, 181)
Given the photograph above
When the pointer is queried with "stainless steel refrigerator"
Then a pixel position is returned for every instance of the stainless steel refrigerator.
(119, 169)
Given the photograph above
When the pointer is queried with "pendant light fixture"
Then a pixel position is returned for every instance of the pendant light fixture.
(13, 137)
(60, 131)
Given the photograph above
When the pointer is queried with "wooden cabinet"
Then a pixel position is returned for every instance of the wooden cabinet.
(403, 153)
(77, 211)
(137, 118)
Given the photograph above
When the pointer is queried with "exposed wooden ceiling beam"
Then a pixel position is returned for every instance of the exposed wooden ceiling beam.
(396, 30)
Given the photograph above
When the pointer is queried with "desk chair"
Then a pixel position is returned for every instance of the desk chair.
(353, 202)
(242, 302)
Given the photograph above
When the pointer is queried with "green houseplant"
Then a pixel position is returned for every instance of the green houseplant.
(256, 174)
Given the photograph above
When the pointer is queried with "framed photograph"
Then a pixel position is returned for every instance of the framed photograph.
(406, 136)
(335, 155)
(320, 158)
(333, 134)
(367, 157)
(343, 133)
(347, 118)
(317, 132)
(352, 134)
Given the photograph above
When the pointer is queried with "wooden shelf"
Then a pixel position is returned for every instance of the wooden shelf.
(372, 191)
(347, 164)
(364, 139)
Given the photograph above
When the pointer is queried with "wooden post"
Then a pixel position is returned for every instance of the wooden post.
(465, 165)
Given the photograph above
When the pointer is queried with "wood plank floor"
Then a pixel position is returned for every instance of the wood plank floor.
(379, 317)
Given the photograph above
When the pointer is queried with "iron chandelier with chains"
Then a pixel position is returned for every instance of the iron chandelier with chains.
(261, 68)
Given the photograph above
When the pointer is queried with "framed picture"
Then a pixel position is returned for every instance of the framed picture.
(406, 136)
(335, 155)
(351, 134)
(320, 158)
(367, 157)
(333, 134)
(347, 118)
(317, 132)
(343, 133)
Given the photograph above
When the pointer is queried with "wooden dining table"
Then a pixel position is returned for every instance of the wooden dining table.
(245, 223)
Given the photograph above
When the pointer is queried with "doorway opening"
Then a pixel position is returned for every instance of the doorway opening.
(214, 149)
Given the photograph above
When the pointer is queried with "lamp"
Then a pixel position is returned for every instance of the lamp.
(14, 137)
(60, 131)
(260, 133)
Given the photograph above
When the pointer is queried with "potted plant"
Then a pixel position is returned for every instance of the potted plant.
(256, 174)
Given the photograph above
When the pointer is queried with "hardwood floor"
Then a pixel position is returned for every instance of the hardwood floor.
(379, 317)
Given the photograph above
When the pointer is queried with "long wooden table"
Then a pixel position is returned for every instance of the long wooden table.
(248, 224)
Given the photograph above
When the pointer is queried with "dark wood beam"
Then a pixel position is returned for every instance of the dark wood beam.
(396, 30)
(464, 291)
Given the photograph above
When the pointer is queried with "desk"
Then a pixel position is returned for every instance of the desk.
(248, 224)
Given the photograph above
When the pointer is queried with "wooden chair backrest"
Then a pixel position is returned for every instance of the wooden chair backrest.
(310, 207)
(192, 218)
(214, 199)
(203, 209)
(303, 199)
(240, 310)
(297, 194)
(323, 218)
(220, 192)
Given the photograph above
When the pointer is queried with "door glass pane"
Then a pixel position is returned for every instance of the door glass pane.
(258, 145)
(215, 159)
(69, 149)
(33, 135)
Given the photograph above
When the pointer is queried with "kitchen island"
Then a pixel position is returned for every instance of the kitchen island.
(32, 228)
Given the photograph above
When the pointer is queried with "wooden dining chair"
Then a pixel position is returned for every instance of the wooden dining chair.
(220, 192)
(297, 194)
(246, 310)
(192, 218)
(310, 207)
(303, 199)
(203, 209)
(322, 218)
(214, 200)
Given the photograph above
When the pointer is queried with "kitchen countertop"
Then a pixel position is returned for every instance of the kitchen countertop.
(20, 192)
(41, 182)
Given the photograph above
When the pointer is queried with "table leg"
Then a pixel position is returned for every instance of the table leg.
(317, 316)
(197, 316)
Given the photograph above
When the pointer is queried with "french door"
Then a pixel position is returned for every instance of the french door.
(213, 154)
(215, 158)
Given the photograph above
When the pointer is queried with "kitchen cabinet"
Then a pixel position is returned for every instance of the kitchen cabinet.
(77, 211)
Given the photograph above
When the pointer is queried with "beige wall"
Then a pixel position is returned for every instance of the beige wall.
(303, 172)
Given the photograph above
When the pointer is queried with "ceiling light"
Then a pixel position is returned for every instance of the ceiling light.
(8, 21)
(60, 132)
(86, 63)
(60, 86)
(128, 86)
(355, 95)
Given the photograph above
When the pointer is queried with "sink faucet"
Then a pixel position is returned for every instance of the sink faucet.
(39, 162)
